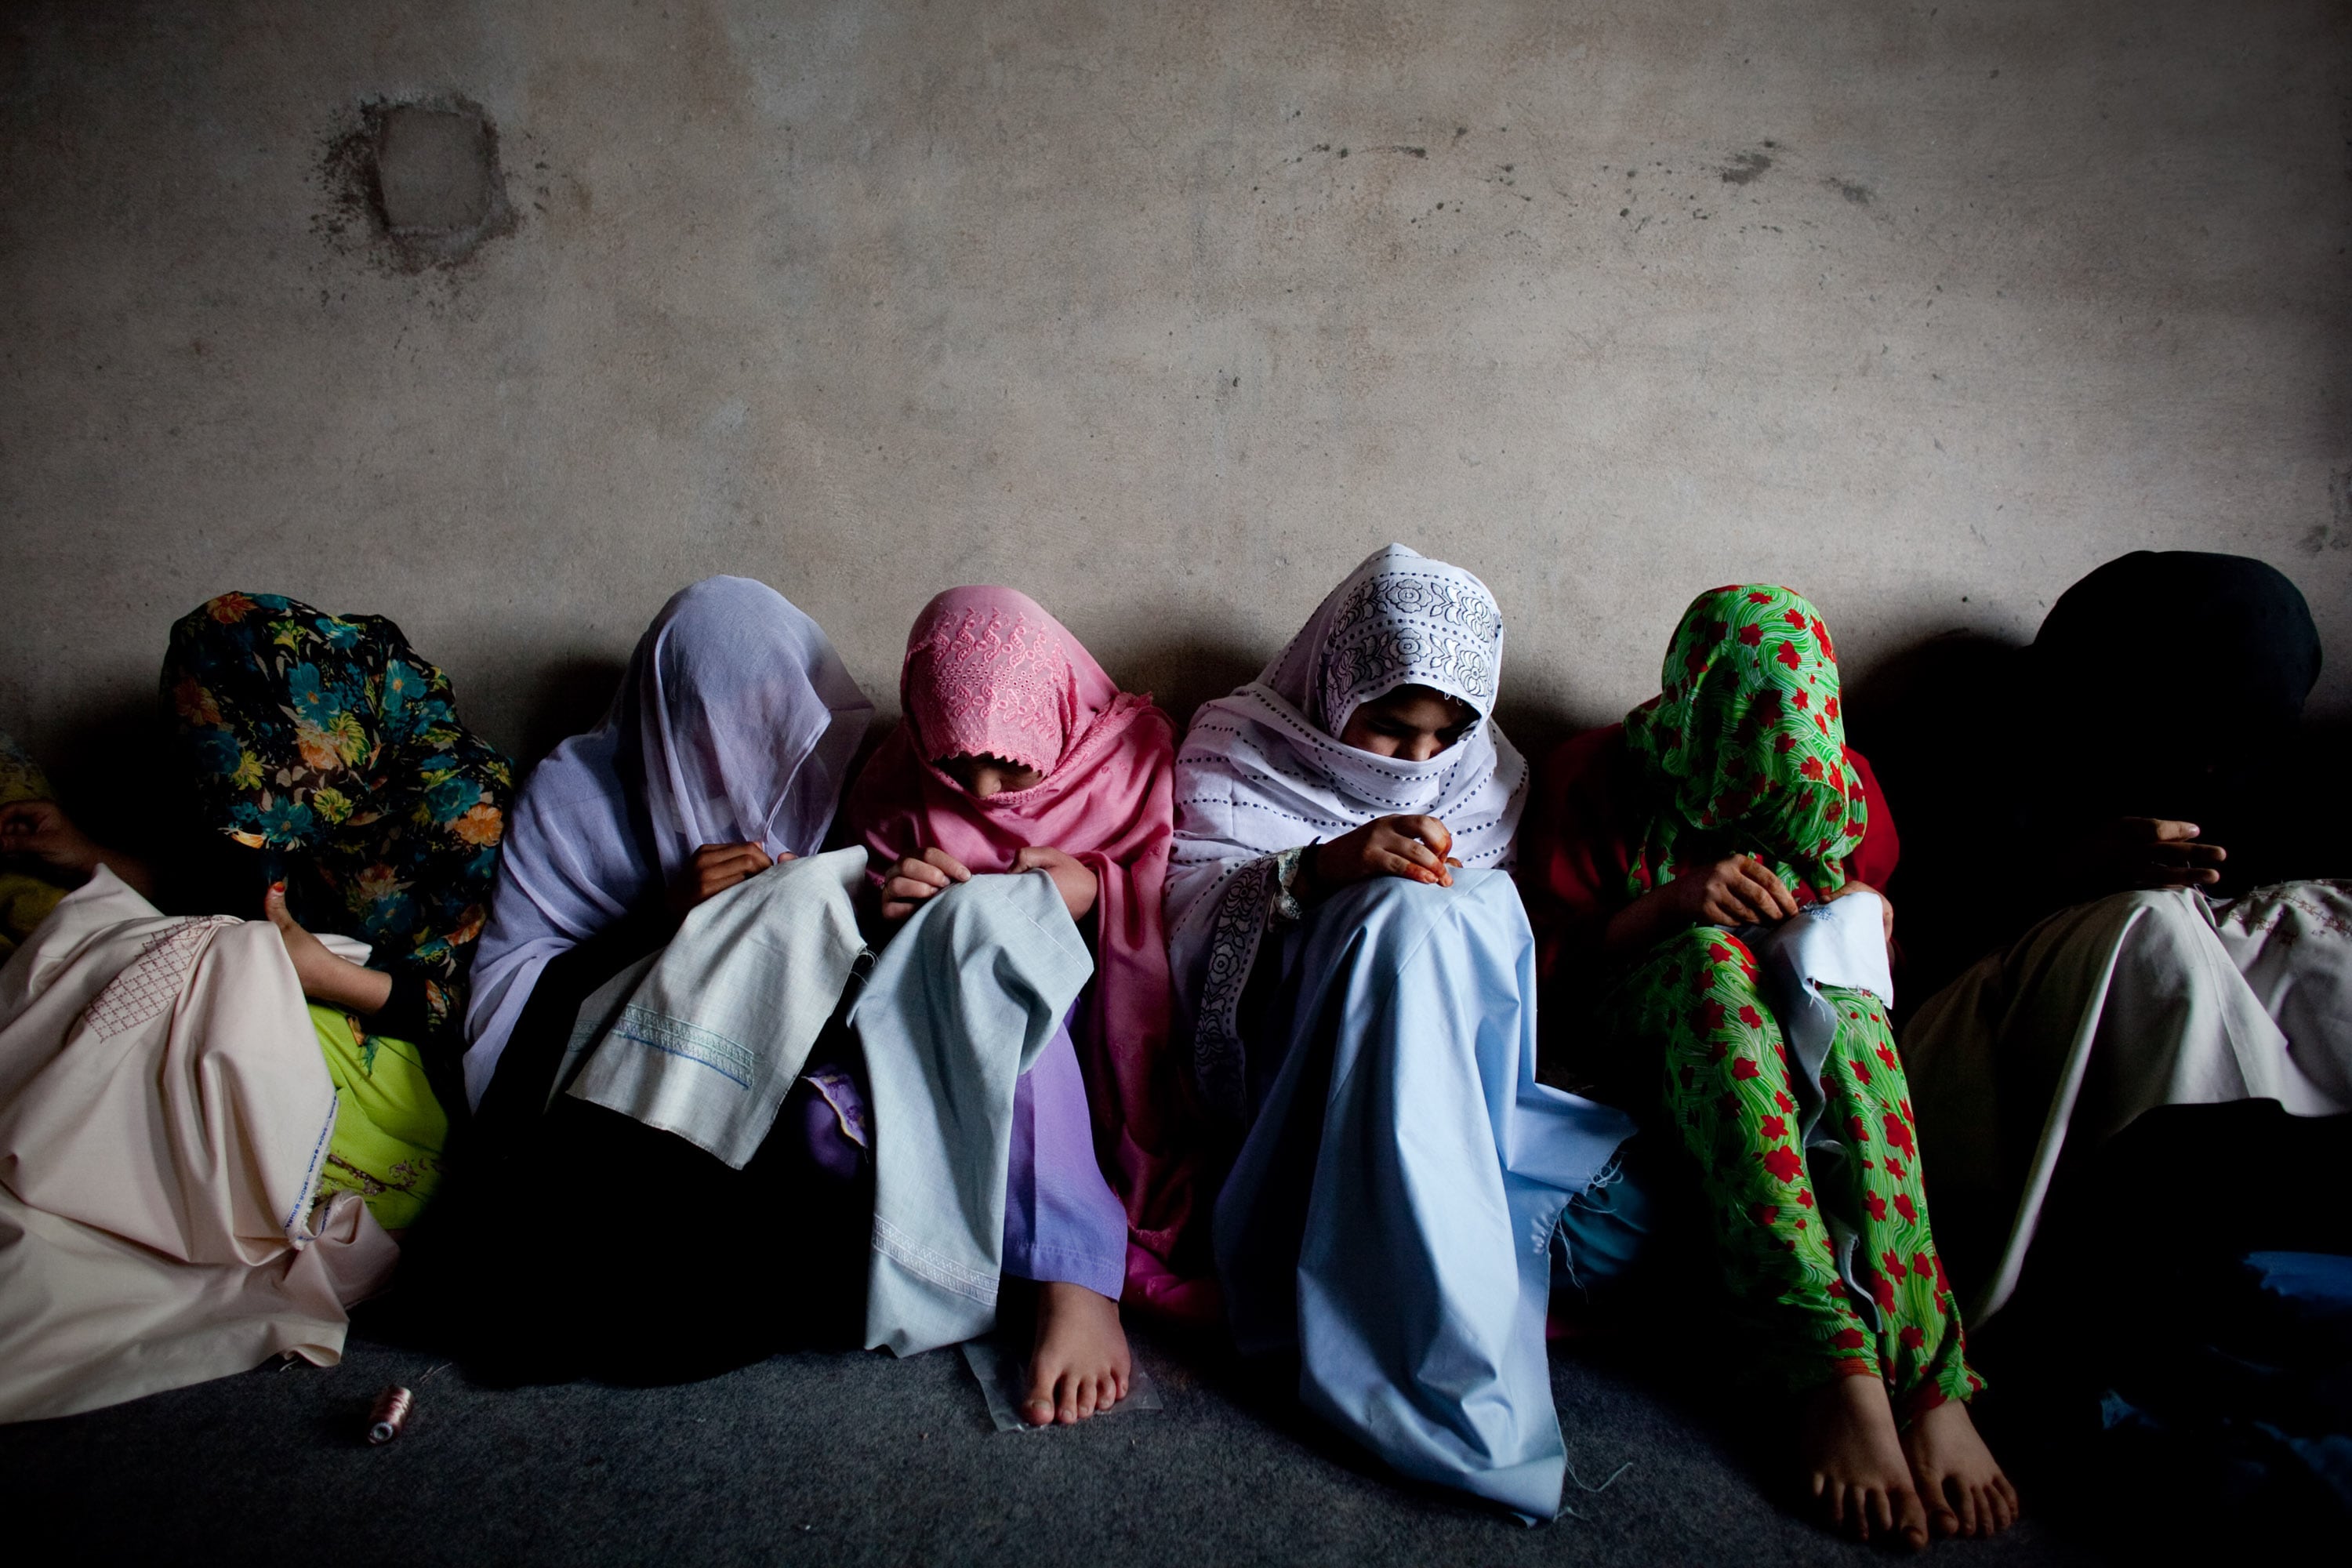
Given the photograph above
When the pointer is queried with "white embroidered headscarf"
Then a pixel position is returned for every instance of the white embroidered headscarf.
(1263, 771)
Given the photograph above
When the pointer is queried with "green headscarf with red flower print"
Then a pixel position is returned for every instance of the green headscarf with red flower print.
(1743, 749)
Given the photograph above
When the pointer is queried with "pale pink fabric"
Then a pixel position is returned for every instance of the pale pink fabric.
(164, 1112)
(989, 672)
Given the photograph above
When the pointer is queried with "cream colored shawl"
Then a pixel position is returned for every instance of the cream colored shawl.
(163, 1112)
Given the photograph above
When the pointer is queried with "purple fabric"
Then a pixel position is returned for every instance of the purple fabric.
(1062, 1221)
(735, 724)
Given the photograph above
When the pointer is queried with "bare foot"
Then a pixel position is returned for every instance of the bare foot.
(1079, 1364)
(1964, 1487)
(1854, 1464)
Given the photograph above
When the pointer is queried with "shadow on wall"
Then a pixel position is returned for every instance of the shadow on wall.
(568, 698)
(1181, 672)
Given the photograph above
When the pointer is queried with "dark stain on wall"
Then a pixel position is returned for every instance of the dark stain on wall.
(415, 184)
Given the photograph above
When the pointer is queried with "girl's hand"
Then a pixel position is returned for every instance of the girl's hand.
(2153, 852)
(1415, 847)
(716, 869)
(1885, 905)
(42, 830)
(337, 982)
(1078, 885)
(1737, 890)
(915, 878)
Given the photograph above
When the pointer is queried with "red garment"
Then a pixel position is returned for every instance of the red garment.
(1578, 840)
(989, 672)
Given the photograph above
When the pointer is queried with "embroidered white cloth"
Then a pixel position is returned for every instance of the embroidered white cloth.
(163, 1112)
(1841, 942)
(1263, 771)
(2112, 1008)
(712, 1037)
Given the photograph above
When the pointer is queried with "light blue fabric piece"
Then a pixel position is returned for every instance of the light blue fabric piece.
(1392, 1211)
(713, 1036)
(959, 1003)
(1603, 1232)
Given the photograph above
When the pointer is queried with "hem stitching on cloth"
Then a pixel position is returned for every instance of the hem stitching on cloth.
(934, 1266)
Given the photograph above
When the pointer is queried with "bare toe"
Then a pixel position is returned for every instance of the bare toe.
(1911, 1518)
(1037, 1409)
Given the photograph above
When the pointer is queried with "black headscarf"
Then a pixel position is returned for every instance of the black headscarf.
(2175, 679)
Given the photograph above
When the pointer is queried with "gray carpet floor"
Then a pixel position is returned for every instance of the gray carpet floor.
(861, 1460)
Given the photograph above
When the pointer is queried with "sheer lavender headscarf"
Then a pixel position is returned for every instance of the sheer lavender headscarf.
(735, 723)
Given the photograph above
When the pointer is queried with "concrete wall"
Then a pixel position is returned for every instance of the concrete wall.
(1165, 312)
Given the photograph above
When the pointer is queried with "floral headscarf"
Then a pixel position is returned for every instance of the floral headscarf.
(1743, 749)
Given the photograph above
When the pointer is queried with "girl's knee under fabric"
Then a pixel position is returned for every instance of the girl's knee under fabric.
(326, 742)
(1399, 1153)
(1825, 1246)
(1062, 1221)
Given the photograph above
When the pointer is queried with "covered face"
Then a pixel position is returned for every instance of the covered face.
(2175, 679)
(990, 673)
(1744, 747)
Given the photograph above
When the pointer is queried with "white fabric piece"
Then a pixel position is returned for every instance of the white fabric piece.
(1262, 771)
(595, 1019)
(1840, 942)
(2099, 1013)
(164, 1110)
(712, 1038)
(2294, 944)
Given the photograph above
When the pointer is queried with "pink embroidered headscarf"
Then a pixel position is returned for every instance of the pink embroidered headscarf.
(989, 673)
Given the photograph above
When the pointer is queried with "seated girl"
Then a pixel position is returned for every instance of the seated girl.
(331, 786)
(724, 753)
(1665, 852)
(2145, 966)
(1356, 974)
(1017, 753)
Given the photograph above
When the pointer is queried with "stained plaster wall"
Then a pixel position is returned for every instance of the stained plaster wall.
(1167, 313)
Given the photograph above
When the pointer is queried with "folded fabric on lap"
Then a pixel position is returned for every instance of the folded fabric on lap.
(713, 1036)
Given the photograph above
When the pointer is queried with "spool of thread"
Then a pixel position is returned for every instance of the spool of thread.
(390, 1414)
